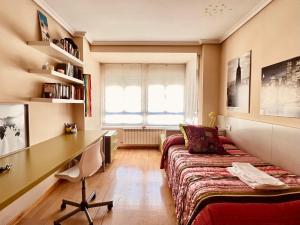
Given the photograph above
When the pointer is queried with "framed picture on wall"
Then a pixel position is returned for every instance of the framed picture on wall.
(280, 89)
(238, 83)
(44, 26)
(13, 128)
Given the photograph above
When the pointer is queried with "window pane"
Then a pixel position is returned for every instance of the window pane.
(123, 119)
(164, 119)
(133, 99)
(174, 98)
(114, 99)
(156, 99)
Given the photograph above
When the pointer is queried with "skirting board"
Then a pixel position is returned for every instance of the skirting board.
(273, 143)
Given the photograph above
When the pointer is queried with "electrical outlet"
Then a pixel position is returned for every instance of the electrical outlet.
(228, 127)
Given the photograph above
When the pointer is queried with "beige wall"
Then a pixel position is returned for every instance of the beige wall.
(18, 24)
(273, 36)
(209, 81)
(91, 66)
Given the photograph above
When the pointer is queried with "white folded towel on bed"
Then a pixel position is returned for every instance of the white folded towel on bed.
(255, 178)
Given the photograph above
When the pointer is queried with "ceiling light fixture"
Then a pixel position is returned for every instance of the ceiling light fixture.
(216, 8)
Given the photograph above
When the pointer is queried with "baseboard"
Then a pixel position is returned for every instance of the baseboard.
(20, 216)
(152, 146)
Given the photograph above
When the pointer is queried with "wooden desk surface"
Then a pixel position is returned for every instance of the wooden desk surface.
(33, 165)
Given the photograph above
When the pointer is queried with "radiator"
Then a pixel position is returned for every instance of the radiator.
(141, 136)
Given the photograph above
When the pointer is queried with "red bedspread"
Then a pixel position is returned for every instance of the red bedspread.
(194, 178)
(286, 213)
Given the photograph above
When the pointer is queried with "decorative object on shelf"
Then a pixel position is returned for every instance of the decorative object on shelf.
(238, 83)
(70, 128)
(13, 127)
(45, 66)
(4, 169)
(280, 89)
(44, 26)
(88, 95)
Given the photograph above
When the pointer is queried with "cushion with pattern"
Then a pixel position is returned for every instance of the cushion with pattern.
(203, 140)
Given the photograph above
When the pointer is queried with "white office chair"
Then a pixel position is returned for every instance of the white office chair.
(90, 162)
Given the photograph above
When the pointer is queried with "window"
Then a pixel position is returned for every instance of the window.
(143, 94)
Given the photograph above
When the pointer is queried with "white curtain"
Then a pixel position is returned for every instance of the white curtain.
(191, 92)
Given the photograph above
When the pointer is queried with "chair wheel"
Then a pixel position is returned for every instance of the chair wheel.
(94, 197)
(62, 207)
(109, 206)
(91, 223)
(55, 223)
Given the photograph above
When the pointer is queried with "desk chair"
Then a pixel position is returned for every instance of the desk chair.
(90, 162)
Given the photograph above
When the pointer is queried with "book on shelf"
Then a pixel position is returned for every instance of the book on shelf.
(69, 46)
(63, 91)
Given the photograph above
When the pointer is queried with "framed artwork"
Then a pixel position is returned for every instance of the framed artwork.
(238, 83)
(44, 26)
(13, 128)
(88, 95)
(280, 89)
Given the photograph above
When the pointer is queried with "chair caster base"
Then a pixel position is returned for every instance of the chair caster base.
(62, 207)
(109, 206)
(92, 199)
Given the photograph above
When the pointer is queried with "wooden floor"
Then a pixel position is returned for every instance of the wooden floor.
(133, 181)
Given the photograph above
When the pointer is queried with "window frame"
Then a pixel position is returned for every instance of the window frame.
(144, 105)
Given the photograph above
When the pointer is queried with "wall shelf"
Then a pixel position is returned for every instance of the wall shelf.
(56, 100)
(53, 50)
(56, 75)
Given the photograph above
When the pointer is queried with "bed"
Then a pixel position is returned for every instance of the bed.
(205, 193)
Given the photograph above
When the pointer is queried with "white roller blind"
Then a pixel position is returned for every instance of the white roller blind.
(146, 94)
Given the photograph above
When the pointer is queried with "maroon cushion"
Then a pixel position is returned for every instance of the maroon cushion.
(203, 140)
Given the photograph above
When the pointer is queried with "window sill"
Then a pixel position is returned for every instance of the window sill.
(139, 127)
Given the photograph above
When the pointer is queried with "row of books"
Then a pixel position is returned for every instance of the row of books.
(70, 70)
(63, 91)
(68, 45)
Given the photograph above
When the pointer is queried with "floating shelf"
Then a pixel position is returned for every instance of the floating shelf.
(56, 100)
(53, 50)
(56, 75)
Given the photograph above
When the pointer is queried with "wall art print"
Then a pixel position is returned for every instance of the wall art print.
(280, 89)
(13, 127)
(44, 26)
(238, 83)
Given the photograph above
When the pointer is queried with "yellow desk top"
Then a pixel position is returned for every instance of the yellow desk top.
(33, 165)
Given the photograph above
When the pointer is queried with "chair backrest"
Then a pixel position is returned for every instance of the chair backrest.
(91, 159)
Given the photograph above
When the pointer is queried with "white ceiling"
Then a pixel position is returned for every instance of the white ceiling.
(153, 20)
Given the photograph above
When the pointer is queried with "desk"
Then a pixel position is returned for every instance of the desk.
(39, 161)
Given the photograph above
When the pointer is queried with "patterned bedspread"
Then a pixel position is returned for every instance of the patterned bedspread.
(193, 178)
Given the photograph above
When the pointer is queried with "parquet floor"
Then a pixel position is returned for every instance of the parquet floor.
(133, 181)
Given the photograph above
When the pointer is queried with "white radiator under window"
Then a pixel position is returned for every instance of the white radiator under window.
(141, 136)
